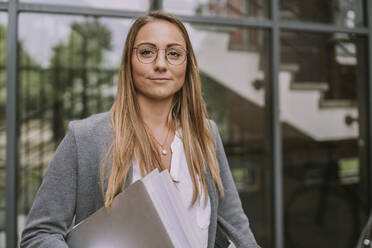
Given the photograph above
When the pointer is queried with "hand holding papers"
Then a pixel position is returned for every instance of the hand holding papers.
(149, 213)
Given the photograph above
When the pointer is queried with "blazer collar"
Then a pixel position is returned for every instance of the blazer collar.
(213, 195)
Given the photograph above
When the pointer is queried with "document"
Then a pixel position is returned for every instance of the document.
(148, 213)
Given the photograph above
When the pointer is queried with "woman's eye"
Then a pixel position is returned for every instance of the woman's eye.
(146, 52)
(174, 54)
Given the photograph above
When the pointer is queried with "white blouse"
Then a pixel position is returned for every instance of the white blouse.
(179, 171)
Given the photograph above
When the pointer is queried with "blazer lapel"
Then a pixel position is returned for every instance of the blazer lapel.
(213, 195)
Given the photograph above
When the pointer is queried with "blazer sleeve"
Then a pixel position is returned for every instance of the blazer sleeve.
(230, 212)
(53, 209)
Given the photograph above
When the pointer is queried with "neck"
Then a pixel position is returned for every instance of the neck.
(155, 113)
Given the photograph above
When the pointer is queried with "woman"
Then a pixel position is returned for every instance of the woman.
(159, 120)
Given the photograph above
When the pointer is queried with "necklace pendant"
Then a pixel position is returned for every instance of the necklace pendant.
(164, 152)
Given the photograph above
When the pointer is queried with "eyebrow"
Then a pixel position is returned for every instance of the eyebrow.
(152, 44)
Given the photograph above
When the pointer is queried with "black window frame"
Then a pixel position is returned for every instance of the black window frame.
(273, 141)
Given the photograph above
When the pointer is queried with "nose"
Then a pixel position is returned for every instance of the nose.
(161, 62)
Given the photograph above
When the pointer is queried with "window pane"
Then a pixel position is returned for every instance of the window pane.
(233, 65)
(347, 13)
(139, 5)
(321, 80)
(67, 72)
(229, 8)
(68, 67)
(3, 81)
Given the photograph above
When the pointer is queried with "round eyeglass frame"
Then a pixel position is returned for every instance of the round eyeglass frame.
(157, 53)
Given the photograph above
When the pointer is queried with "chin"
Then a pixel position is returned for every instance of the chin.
(162, 97)
(162, 93)
(158, 94)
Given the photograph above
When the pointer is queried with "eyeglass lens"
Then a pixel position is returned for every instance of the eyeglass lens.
(175, 55)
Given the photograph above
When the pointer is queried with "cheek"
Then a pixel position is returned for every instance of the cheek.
(180, 74)
(138, 70)
(135, 67)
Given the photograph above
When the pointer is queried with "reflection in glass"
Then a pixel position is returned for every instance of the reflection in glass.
(346, 13)
(138, 5)
(319, 81)
(233, 67)
(229, 8)
(3, 81)
(68, 70)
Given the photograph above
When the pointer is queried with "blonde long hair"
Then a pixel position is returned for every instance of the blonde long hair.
(188, 112)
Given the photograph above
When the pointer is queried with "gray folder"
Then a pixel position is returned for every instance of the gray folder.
(131, 222)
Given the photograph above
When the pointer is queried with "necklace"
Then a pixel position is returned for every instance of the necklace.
(164, 151)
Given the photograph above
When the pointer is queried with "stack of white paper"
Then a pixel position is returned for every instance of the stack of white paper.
(171, 210)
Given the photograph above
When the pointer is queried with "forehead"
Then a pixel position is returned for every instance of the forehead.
(160, 33)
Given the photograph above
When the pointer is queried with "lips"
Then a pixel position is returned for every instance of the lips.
(160, 79)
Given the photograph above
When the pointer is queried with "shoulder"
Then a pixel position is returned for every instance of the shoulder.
(212, 126)
(92, 125)
(93, 133)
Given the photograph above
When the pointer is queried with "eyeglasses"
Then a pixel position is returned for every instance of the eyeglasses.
(147, 54)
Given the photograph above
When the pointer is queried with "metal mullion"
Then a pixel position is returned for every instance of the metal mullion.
(43, 122)
(244, 22)
(11, 127)
(156, 5)
(241, 22)
(76, 10)
(369, 107)
(319, 27)
(274, 129)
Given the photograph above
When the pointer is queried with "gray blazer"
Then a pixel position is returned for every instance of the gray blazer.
(71, 189)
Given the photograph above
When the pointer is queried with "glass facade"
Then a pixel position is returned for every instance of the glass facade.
(236, 102)
(67, 68)
(3, 81)
(346, 13)
(70, 73)
(230, 9)
(321, 84)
